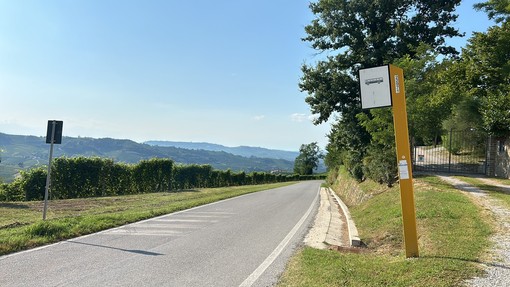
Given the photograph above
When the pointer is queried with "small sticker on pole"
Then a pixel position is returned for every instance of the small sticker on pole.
(403, 169)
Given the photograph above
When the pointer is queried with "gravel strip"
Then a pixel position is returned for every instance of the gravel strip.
(316, 236)
(498, 267)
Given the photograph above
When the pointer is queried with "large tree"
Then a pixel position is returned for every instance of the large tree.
(354, 34)
(308, 159)
(483, 76)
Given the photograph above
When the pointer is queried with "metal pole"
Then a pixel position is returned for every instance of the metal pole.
(450, 152)
(488, 144)
(48, 176)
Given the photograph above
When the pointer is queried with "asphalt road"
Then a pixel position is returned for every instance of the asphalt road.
(244, 241)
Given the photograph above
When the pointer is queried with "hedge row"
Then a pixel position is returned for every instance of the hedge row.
(82, 177)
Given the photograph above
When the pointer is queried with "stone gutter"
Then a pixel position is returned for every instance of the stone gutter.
(351, 227)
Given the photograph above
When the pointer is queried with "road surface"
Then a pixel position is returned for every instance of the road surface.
(244, 241)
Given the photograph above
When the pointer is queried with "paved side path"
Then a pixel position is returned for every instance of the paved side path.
(330, 226)
(498, 267)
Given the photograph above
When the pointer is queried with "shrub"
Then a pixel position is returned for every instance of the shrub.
(154, 175)
(380, 165)
(353, 162)
(33, 183)
(13, 191)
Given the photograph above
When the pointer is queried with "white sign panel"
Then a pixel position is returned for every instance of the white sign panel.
(403, 169)
(375, 87)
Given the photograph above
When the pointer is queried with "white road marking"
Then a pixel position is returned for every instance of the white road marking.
(278, 250)
(180, 220)
(106, 231)
(163, 226)
(146, 233)
(202, 216)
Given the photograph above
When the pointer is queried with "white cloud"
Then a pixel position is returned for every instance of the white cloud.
(259, 117)
(296, 117)
(312, 118)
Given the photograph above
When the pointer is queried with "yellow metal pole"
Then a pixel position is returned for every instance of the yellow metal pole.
(404, 160)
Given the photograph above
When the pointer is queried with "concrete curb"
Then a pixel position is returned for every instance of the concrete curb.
(335, 234)
(351, 227)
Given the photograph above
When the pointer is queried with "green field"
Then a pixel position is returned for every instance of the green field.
(453, 235)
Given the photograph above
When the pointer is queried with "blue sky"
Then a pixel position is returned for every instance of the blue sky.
(223, 71)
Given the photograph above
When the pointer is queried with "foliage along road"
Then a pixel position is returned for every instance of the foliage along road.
(244, 241)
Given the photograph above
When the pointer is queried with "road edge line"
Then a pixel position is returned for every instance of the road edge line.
(278, 250)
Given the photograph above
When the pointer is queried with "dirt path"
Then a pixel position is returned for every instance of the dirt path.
(498, 264)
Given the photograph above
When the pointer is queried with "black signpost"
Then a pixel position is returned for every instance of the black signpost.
(53, 136)
(54, 132)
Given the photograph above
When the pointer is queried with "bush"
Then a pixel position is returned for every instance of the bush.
(154, 175)
(353, 162)
(76, 177)
(82, 177)
(380, 165)
(12, 191)
(3, 187)
(116, 178)
(33, 183)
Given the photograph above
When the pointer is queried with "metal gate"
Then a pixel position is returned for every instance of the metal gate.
(458, 151)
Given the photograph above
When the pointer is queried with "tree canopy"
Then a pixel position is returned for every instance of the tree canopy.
(308, 159)
(498, 10)
(355, 34)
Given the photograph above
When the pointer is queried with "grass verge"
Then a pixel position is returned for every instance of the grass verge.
(500, 193)
(21, 225)
(453, 233)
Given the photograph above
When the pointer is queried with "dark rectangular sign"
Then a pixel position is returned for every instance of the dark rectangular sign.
(57, 139)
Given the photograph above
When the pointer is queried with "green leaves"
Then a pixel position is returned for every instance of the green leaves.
(482, 77)
(498, 10)
(308, 159)
(83, 177)
(496, 113)
(356, 34)
(154, 175)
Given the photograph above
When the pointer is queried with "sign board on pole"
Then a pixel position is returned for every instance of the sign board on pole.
(57, 139)
(375, 87)
(53, 136)
(382, 87)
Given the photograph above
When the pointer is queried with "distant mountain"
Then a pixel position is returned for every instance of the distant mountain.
(245, 151)
(21, 152)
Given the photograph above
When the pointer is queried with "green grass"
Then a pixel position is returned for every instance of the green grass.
(494, 191)
(453, 235)
(22, 227)
(504, 181)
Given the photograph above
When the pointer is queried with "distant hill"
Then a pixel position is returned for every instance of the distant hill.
(21, 152)
(245, 151)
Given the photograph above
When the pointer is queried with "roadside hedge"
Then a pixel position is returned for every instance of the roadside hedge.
(82, 177)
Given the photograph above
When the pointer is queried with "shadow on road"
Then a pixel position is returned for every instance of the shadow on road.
(142, 252)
